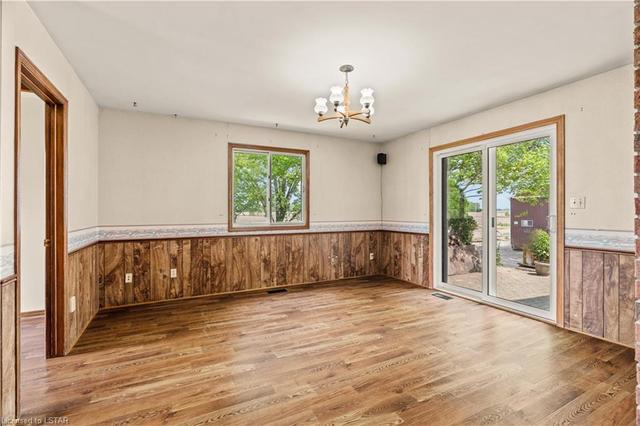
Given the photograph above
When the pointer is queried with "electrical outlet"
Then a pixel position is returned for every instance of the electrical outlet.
(128, 278)
(371, 256)
(72, 304)
(573, 202)
(577, 202)
(174, 273)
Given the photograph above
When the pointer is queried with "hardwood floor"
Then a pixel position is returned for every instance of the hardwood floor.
(372, 351)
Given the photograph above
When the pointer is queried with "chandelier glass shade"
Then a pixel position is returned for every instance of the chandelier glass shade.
(340, 103)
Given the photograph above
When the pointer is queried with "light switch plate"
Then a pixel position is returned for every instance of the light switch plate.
(72, 304)
(174, 273)
(371, 257)
(582, 202)
(128, 278)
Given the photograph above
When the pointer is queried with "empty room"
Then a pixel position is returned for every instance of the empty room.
(317, 212)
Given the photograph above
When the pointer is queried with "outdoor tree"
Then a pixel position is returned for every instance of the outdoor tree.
(464, 177)
(523, 171)
(250, 183)
(251, 186)
(286, 188)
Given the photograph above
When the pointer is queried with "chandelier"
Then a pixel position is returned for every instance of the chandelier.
(339, 99)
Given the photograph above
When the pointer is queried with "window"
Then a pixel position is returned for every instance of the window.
(268, 188)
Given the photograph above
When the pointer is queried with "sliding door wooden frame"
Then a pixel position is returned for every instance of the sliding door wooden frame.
(30, 78)
(558, 121)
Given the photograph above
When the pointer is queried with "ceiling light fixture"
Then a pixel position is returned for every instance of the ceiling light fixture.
(339, 99)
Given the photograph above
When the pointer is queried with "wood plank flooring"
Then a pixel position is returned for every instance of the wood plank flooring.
(363, 351)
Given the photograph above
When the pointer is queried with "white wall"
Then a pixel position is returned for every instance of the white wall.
(160, 170)
(598, 144)
(32, 203)
(403, 179)
(21, 27)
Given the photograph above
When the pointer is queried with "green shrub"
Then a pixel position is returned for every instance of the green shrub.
(462, 228)
(540, 245)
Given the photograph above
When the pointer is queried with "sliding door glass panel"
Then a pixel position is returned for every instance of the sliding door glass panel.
(250, 188)
(520, 225)
(287, 206)
(462, 242)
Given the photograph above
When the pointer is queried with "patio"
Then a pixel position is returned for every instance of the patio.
(517, 284)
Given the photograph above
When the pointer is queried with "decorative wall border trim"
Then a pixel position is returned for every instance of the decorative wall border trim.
(597, 239)
(111, 233)
(582, 238)
(410, 227)
(7, 261)
(82, 238)
(89, 236)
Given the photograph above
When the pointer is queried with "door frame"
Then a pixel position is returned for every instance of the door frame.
(29, 77)
(559, 122)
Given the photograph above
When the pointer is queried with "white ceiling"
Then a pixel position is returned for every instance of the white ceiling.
(264, 63)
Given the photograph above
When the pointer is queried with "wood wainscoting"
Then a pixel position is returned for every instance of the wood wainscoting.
(82, 282)
(405, 256)
(599, 294)
(598, 297)
(229, 264)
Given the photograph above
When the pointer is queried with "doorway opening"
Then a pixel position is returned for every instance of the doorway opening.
(497, 219)
(32, 83)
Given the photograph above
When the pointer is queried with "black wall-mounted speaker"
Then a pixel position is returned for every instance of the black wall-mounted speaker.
(382, 159)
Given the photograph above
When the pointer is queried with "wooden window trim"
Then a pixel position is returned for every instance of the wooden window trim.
(307, 205)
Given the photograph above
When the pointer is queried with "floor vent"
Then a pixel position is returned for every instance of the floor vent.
(442, 296)
(277, 290)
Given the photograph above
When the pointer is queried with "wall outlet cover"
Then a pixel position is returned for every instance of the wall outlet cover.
(573, 202)
(128, 278)
(72, 304)
(174, 273)
(578, 202)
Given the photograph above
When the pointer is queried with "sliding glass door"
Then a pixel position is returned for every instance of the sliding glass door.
(494, 213)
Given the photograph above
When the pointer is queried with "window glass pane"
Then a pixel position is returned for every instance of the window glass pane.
(462, 225)
(286, 189)
(250, 188)
(522, 188)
